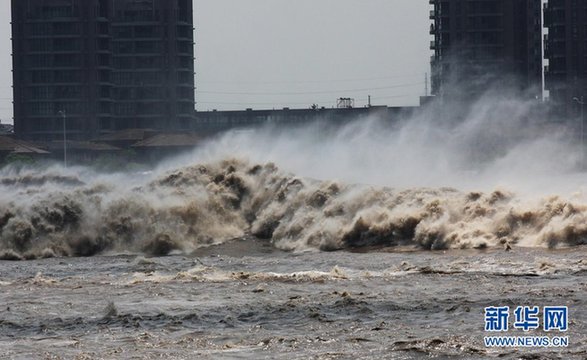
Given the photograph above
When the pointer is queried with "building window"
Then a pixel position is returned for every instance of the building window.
(185, 93)
(104, 76)
(123, 62)
(105, 92)
(41, 76)
(39, 93)
(67, 76)
(66, 28)
(40, 29)
(148, 78)
(41, 109)
(149, 93)
(39, 45)
(184, 31)
(63, 10)
(123, 47)
(103, 28)
(146, 47)
(145, 32)
(186, 62)
(185, 78)
(124, 108)
(122, 32)
(123, 78)
(57, 11)
(103, 60)
(103, 44)
(151, 62)
(70, 60)
(185, 108)
(105, 124)
(39, 61)
(105, 108)
(185, 47)
(66, 45)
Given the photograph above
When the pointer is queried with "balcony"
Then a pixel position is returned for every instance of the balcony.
(433, 45)
(432, 14)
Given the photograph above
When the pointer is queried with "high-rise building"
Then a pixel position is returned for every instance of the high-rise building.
(100, 66)
(565, 47)
(480, 44)
(153, 64)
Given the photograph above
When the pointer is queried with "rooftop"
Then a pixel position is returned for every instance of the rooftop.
(10, 145)
(170, 140)
(127, 135)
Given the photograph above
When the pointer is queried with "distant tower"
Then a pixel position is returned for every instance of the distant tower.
(61, 62)
(564, 47)
(481, 43)
(108, 64)
(153, 58)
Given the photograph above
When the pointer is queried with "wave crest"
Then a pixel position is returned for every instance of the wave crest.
(213, 203)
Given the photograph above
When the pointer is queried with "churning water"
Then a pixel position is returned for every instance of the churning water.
(362, 241)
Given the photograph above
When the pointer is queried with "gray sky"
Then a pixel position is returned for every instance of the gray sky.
(275, 53)
(329, 48)
(5, 63)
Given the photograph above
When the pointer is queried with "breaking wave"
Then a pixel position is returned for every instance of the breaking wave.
(47, 215)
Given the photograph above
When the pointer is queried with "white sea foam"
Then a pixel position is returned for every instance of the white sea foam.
(496, 177)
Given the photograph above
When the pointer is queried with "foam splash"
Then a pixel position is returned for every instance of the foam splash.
(215, 275)
(201, 205)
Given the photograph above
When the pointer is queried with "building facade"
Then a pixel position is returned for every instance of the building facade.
(100, 66)
(153, 62)
(565, 48)
(480, 44)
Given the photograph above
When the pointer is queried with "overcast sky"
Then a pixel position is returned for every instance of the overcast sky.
(5, 63)
(275, 53)
(310, 51)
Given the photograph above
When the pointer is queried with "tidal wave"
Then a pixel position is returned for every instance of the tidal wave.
(48, 215)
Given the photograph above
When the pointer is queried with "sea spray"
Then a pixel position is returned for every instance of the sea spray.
(206, 204)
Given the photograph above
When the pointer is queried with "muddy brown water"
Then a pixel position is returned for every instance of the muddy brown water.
(246, 300)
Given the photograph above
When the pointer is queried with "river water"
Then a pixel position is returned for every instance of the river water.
(244, 299)
(232, 259)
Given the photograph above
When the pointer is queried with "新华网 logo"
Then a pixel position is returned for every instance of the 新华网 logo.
(526, 318)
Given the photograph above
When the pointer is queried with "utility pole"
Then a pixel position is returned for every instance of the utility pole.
(62, 113)
(426, 82)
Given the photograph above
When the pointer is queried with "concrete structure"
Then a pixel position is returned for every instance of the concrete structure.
(6, 129)
(478, 44)
(148, 146)
(100, 66)
(565, 47)
(209, 122)
(57, 66)
(153, 64)
(10, 146)
(158, 147)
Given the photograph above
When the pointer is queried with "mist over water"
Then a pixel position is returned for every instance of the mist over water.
(498, 176)
(500, 143)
